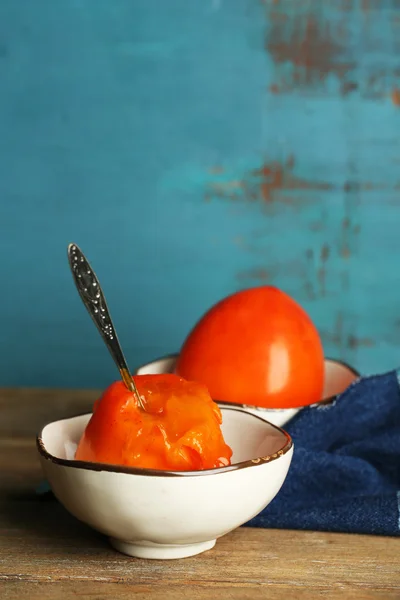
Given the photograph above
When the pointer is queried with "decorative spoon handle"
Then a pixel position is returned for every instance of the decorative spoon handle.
(93, 298)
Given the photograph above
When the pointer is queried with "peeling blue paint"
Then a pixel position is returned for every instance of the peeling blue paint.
(142, 131)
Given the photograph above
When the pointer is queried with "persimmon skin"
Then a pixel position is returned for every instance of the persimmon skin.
(180, 430)
(256, 347)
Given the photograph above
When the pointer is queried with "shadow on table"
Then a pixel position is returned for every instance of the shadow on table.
(43, 521)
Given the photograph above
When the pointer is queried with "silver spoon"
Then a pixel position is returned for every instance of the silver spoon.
(93, 298)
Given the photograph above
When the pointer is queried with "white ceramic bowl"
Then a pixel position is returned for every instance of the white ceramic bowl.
(338, 376)
(164, 515)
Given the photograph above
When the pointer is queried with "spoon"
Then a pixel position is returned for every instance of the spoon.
(92, 296)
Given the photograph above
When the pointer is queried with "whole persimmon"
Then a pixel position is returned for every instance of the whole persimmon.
(256, 347)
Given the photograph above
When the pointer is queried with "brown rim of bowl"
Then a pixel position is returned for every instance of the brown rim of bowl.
(157, 473)
(225, 404)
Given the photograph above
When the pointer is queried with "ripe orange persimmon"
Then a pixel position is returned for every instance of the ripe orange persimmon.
(257, 347)
(180, 430)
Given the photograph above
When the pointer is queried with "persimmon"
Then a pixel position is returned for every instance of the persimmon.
(179, 431)
(256, 347)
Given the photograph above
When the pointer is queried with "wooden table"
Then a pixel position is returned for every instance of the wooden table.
(45, 553)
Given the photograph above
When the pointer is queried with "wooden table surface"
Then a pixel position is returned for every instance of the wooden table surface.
(45, 553)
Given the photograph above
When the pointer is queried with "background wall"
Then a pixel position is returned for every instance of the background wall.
(193, 148)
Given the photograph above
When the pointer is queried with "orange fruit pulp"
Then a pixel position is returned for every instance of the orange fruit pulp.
(180, 430)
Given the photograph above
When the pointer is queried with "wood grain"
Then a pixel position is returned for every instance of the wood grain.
(46, 553)
(25, 411)
(98, 591)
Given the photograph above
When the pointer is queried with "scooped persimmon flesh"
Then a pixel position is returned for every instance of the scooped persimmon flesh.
(256, 347)
(180, 430)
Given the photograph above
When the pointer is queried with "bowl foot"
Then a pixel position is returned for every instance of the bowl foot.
(160, 551)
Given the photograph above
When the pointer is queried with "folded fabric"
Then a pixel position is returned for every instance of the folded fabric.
(345, 472)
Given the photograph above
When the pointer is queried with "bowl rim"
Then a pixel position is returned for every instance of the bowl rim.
(262, 409)
(91, 466)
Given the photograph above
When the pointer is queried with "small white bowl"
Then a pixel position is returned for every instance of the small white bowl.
(164, 514)
(338, 377)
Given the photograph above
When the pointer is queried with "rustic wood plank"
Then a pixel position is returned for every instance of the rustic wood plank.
(46, 553)
(93, 590)
(25, 411)
(40, 542)
(20, 470)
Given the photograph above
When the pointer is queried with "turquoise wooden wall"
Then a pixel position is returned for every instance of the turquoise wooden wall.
(196, 147)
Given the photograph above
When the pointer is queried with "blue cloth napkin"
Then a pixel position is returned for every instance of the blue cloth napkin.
(345, 471)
